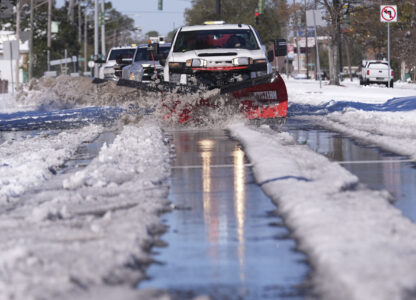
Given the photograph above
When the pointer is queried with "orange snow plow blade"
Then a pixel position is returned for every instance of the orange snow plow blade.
(259, 98)
(264, 100)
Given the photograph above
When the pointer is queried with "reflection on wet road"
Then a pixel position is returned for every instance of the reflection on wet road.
(374, 167)
(225, 239)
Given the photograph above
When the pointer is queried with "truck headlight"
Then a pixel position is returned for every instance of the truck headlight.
(131, 76)
(196, 63)
(175, 65)
(146, 65)
(242, 61)
(260, 61)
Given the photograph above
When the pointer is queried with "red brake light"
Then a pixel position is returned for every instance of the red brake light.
(392, 73)
(368, 72)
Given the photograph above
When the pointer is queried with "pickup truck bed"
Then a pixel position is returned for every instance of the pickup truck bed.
(376, 72)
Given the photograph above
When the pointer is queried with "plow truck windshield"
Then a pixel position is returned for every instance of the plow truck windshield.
(215, 39)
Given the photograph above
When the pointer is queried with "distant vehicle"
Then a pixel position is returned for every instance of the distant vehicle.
(123, 54)
(376, 71)
(299, 76)
(145, 67)
(216, 54)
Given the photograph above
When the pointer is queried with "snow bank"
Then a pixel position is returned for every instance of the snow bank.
(376, 115)
(64, 92)
(362, 247)
(87, 231)
(22, 168)
(68, 92)
(308, 92)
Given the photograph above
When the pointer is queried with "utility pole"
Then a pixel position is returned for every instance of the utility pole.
(79, 23)
(96, 37)
(103, 50)
(85, 38)
(18, 8)
(71, 11)
(31, 40)
(49, 43)
(307, 48)
(296, 29)
(218, 8)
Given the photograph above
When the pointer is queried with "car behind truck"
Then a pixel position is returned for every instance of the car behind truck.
(376, 71)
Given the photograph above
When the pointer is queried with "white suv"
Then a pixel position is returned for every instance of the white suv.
(216, 54)
(144, 65)
(124, 53)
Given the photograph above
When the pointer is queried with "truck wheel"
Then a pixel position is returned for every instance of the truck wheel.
(361, 81)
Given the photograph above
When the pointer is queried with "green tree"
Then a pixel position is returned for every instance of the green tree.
(152, 33)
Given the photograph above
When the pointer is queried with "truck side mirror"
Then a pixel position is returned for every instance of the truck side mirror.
(280, 47)
(162, 61)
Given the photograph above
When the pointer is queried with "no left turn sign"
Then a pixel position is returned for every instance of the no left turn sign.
(388, 13)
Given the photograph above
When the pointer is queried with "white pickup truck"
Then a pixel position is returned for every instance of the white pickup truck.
(216, 54)
(376, 71)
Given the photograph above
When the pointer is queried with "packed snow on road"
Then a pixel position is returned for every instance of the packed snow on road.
(86, 233)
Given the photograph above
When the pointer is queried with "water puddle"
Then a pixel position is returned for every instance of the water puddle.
(376, 168)
(86, 152)
(225, 239)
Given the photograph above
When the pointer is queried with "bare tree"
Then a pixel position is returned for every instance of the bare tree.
(334, 11)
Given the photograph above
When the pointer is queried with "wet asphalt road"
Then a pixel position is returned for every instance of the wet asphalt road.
(376, 168)
(225, 238)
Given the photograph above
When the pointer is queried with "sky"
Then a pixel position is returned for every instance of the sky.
(148, 17)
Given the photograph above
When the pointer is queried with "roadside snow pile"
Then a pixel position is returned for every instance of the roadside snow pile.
(88, 230)
(64, 92)
(7, 103)
(308, 92)
(331, 216)
(22, 168)
(69, 92)
(372, 114)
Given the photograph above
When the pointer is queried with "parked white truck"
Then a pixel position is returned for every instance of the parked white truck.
(376, 71)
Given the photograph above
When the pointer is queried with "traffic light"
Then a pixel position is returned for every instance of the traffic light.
(160, 4)
(257, 14)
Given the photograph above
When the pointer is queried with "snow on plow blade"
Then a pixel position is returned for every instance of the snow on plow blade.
(259, 98)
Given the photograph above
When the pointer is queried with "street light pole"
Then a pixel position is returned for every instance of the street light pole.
(79, 23)
(31, 40)
(218, 8)
(103, 50)
(49, 43)
(96, 37)
(85, 38)
(18, 8)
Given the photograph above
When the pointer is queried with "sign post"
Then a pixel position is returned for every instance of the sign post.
(314, 18)
(388, 14)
